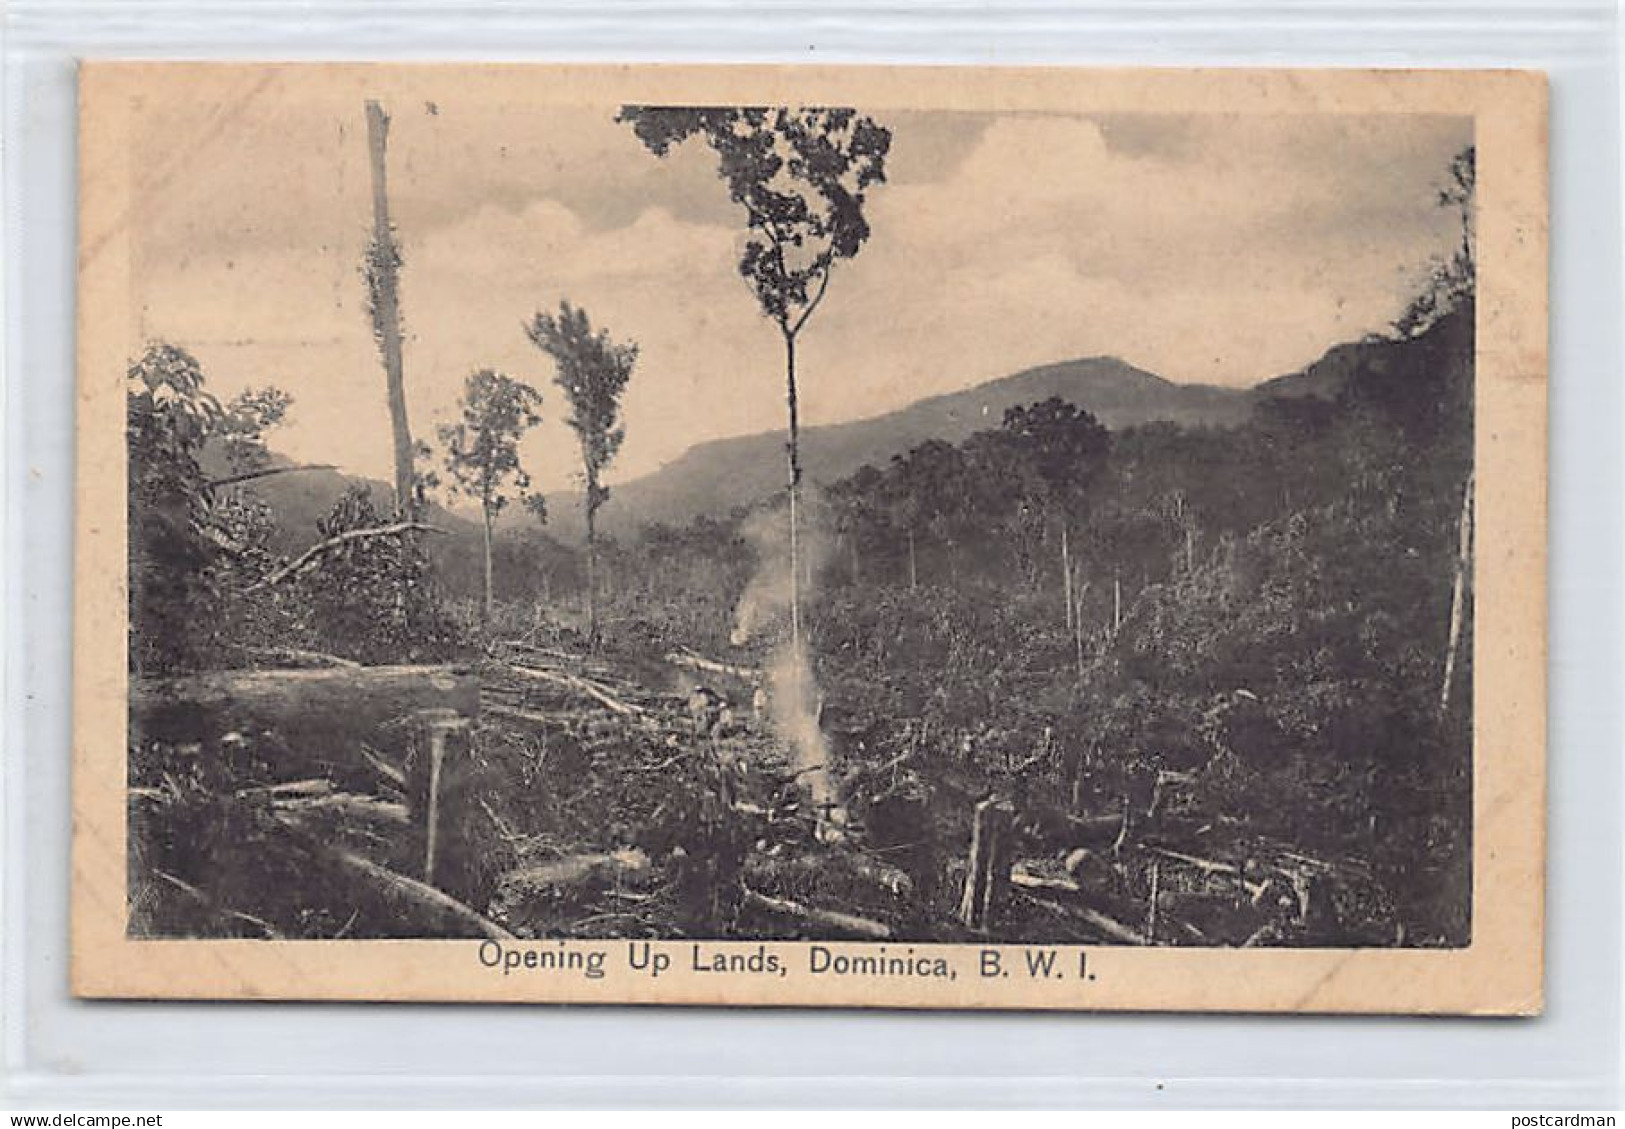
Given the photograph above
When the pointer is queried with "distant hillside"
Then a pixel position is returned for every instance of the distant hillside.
(1409, 367)
(715, 477)
(1324, 378)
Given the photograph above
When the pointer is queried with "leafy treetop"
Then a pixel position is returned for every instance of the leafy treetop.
(800, 174)
(1067, 446)
(482, 451)
(593, 371)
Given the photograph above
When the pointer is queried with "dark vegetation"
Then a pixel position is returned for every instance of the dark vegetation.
(1258, 638)
(1217, 678)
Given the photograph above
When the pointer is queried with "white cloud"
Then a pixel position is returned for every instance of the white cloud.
(1230, 251)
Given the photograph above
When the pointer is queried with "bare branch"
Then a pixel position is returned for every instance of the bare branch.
(266, 472)
(592, 690)
(823, 285)
(294, 654)
(310, 555)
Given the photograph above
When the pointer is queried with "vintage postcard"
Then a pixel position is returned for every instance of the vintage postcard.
(854, 537)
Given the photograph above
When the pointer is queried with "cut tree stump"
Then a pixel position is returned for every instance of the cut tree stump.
(987, 875)
(436, 789)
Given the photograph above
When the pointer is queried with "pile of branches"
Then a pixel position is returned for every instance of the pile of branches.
(673, 811)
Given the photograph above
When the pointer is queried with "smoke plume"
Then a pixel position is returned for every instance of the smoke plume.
(794, 698)
(763, 609)
(793, 702)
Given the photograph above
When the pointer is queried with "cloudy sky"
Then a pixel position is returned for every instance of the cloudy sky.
(1205, 248)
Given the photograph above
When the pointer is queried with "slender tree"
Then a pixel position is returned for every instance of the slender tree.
(482, 451)
(801, 175)
(1067, 450)
(1453, 285)
(1458, 595)
(931, 483)
(593, 371)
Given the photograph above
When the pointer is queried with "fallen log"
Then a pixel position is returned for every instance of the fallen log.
(333, 710)
(294, 654)
(572, 682)
(439, 907)
(845, 924)
(536, 653)
(1023, 876)
(514, 713)
(383, 768)
(1209, 866)
(1026, 880)
(317, 786)
(574, 870)
(347, 804)
(1091, 917)
(712, 666)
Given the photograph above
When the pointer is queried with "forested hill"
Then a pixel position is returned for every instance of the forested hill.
(715, 477)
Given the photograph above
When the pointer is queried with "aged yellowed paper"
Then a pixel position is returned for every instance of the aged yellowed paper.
(861, 537)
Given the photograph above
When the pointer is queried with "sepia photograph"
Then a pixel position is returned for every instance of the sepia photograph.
(773, 537)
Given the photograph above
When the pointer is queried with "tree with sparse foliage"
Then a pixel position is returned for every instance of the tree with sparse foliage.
(801, 175)
(593, 371)
(1452, 281)
(1067, 448)
(482, 451)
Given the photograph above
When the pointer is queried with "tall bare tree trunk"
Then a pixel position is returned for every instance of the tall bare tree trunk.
(794, 452)
(1458, 594)
(592, 572)
(852, 548)
(913, 564)
(490, 598)
(1077, 625)
(1066, 575)
(1117, 603)
(384, 271)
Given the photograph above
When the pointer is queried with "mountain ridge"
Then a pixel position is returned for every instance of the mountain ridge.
(721, 474)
